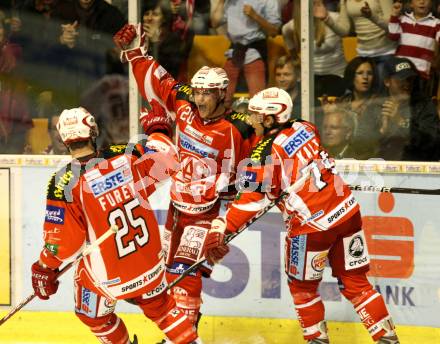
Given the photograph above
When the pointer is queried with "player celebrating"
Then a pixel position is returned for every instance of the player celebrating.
(96, 190)
(322, 219)
(211, 143)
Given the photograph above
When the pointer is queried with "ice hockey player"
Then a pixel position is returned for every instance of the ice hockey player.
(322, 219)
(99, 189)
(211, 143)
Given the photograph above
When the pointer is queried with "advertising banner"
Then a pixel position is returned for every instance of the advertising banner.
(402, 233)
(5, 238)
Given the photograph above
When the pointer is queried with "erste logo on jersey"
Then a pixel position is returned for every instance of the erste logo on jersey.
(111, 181)
(54, 215)
(298, 139)
(196, 147)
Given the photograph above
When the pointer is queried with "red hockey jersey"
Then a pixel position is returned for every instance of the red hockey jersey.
(209, 151)
(279, 160)
(85, 199)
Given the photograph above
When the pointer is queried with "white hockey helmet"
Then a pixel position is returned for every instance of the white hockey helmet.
(76, 125)
(210, 77)
(272, 101)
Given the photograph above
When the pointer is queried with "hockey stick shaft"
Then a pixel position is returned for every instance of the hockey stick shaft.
(297, 185)
(89, 249)
(387, 189)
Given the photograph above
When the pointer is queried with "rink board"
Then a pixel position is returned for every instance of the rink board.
(402, 232)
(64, 328)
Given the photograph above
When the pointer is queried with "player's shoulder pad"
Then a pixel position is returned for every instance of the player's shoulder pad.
(112, 151)
(263, 149)
(183, 92)
(62, 182)
(239, 120)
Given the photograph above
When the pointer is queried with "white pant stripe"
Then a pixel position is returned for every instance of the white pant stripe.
(315, 300)
(371, 298)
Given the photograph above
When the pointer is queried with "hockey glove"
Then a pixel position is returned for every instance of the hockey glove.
(44, 281)
(215, 248)
(156, 119)
(132, 42)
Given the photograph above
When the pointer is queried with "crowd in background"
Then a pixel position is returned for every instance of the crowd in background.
(58, 54)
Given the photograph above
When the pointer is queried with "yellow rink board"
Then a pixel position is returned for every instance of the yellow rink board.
(63, 327)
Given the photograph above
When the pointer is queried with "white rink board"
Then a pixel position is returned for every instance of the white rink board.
(246, 287)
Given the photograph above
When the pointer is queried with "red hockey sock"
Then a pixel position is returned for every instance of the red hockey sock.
(309, 308)
(108, 329)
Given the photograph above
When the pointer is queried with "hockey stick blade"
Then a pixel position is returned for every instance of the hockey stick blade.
(89, 249)
(386, 189)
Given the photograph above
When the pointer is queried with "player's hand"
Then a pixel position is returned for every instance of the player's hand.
(156, 119)
(44, 281)
(131, 41)
(249, 11)
(215, 248)
(69, 34)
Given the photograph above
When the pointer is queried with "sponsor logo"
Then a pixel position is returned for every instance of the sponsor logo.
(256, 154)
(143, 280)
(53, 248)
(247, 177)
(92, 174)
(198, 135)
(318, 261)
(356, 247)
(190, 208)
(61, 184)
(314, 216)
(118, 148)
(297, 252)
(297, 140)
(55, 215)
(160, 72)
(112, 281)
(196, 147)
(180, 268)
(109, 303)
(342, 210)
(88, 302)
(119, 161)
(184, 88)
(110, 181)
(240, 116)
(155, 291)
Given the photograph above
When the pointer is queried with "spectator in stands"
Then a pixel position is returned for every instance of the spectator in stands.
(362, 100)
(85, 52)
(417, 33)
(337, 133)
(38, 35)
(15, 118)
(107, 99)
(328, 58)
(287, 74)
(410, 125)
(56, 144)
(368, 20)
(249, 23)
(170, 37)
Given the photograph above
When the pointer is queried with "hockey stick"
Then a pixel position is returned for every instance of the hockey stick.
(89, 249)
(387, 189)
(297, 185)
